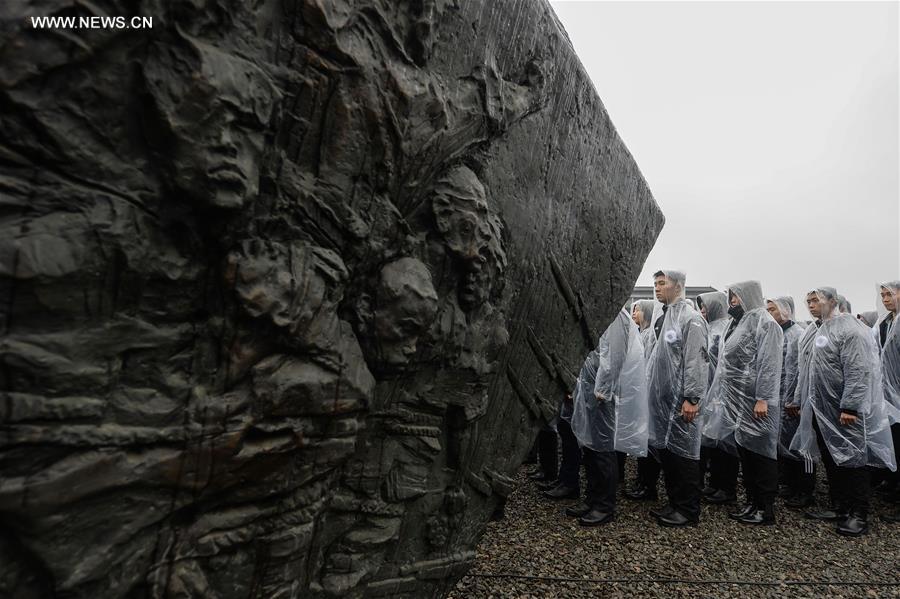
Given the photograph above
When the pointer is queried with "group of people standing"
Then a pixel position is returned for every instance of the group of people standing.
(734, 386)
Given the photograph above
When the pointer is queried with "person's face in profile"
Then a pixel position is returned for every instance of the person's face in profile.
(888, 299)
(775, 311)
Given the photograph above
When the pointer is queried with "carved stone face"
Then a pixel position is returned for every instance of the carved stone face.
(217, 110)
(470, 232)
(405, 304)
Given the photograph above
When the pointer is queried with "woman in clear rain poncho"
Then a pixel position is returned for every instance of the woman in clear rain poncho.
(677, 375)
(648, 468)
(642, 315)
(610, 414)
(800, 484)
(887, 336)
(721, 456)
(744, 399)
(844, 417)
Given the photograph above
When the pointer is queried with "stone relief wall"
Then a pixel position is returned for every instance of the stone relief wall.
(288, 286)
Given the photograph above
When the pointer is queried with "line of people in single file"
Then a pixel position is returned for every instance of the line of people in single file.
(736, 386)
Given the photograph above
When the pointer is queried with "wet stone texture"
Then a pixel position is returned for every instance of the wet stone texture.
(288, 287)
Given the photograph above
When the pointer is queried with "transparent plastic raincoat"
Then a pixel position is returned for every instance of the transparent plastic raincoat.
(584, 384)
(804, 355)
(716, 304)
(844, 376)
(677, 368)
(886, 328)
(618, 421)
(647, 308)
(790, 351)
(748, 370)
(869, 317)
(717, 319)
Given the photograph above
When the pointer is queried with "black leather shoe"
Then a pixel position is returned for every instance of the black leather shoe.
(675, 520)
(708, 490)
(662, 511)
(641, 493)
(758, 517)
(596, 518)
(799, 501)
(784, 491)
(744, 511)
(854, 526)
(547, 485)
(539, 476)
(825, 514)
(720, 497)
(562, 492)
(577, 511)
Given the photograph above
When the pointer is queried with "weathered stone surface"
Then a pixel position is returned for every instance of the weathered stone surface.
(287, 287)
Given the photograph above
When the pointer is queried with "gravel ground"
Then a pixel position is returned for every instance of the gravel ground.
(537, 539)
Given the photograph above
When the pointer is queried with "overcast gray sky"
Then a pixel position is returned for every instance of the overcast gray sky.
(768, 132)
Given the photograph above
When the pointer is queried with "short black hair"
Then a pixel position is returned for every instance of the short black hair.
(699, 301)
(659, 273)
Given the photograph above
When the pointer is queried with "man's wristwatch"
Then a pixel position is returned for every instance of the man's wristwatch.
(692, 400)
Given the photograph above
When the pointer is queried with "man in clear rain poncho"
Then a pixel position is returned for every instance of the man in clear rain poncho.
(648, 467)
(721, 458)
(744, 401)
(887, 334)
(791, 419)
(798, 484)
(844, 416)
(609, 415)
(677, 376)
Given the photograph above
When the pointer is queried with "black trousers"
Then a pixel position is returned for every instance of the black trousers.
(620, 457)
(547, 452)
(795, 476)
(704, 462)
(850, 488)
(648, 470)
(760, 478)
(571, 456)
(895, 435)
(602, 475)
(682, 478)
(723, 470)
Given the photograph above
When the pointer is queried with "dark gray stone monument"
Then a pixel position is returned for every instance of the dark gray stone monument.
(287, 287)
